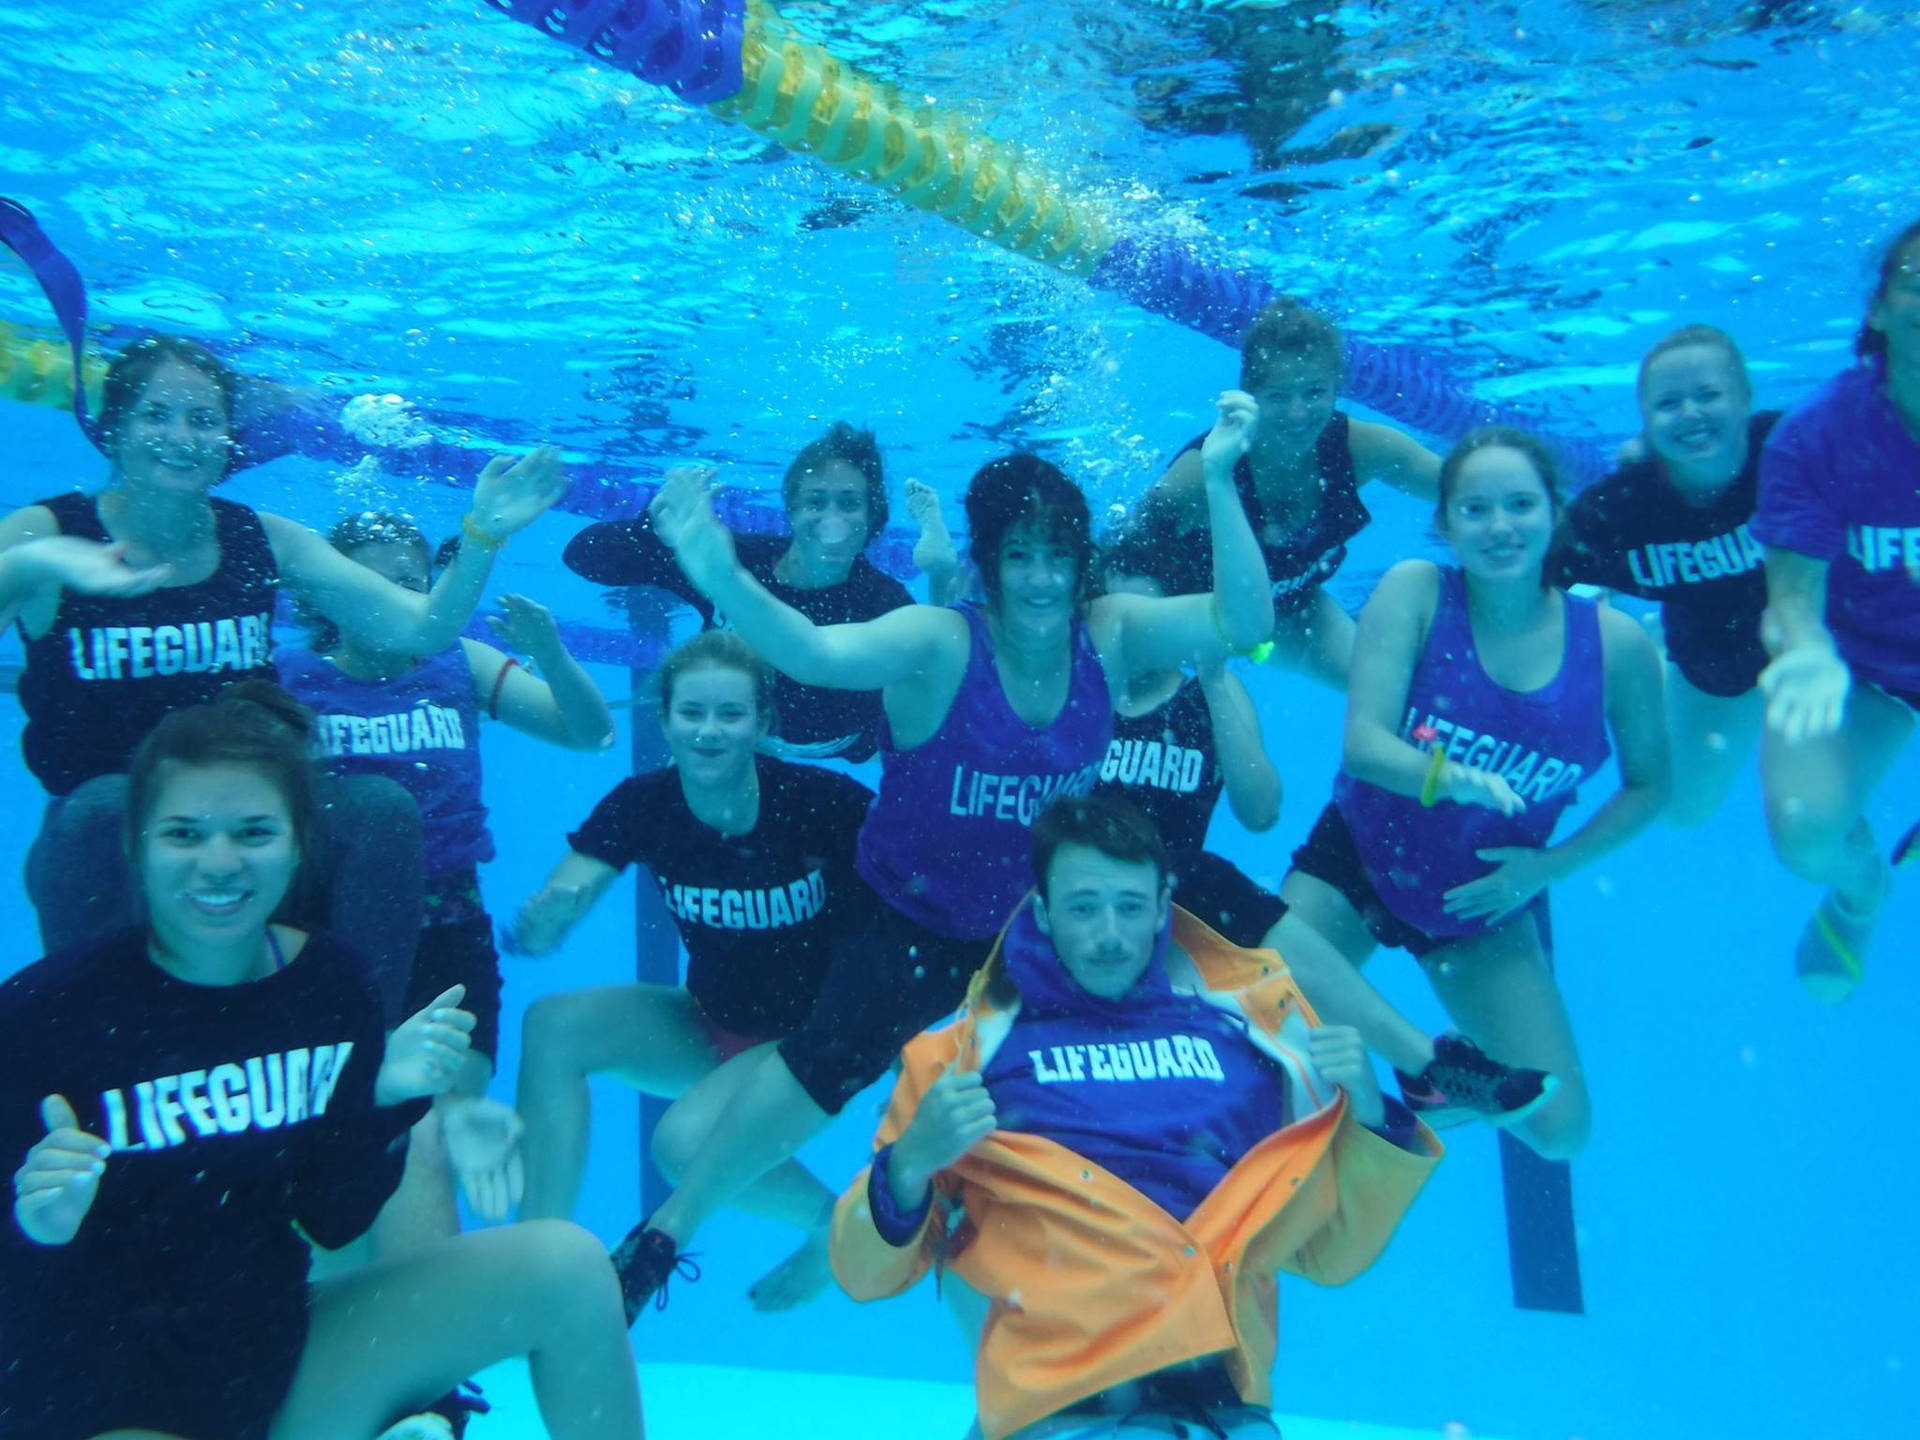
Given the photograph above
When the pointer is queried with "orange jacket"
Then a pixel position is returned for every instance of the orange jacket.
(1086, 1282)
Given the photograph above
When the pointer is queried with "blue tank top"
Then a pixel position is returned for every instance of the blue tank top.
(946, 840)
(111, 667)
(1545, 742)
(420, 729)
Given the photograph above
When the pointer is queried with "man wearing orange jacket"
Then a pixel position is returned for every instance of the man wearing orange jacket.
(1131, 1129)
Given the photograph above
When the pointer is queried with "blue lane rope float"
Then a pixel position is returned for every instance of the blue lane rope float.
(748, 66)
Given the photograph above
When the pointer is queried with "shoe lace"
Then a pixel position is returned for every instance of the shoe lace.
(686, 1266)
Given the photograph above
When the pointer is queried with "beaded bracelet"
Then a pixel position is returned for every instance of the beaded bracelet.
(471, 529)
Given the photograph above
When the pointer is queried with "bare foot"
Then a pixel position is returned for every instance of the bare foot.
(419, 1427)
(933, 551)
(795, 1280)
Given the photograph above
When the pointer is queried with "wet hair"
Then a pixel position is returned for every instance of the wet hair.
(842, 445)
(719, 650)
(1018, 490)
(1136, 551)
(378, 527)
(369, 527)
(1114, 827)
(254, 724)
(133, 367)
(1869, 342)
(1288, 330)
(1688, 337)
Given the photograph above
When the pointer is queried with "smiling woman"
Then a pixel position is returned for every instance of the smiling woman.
(1011, 700)
(1481, 696)
(248, 1059)
(1671, 526)
(174, 603)
(754, 857)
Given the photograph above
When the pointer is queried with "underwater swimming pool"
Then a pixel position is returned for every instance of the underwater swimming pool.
(435, 202)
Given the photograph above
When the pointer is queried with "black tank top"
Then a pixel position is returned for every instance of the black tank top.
(1298, 561)
(1164, 763)
(111, 667)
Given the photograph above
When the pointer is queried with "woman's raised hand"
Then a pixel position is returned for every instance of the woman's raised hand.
(85, 566)
(1232, 433)
(683, 518)
(511, 494)
(425, 1053)
(525, 625)
(55, 1188)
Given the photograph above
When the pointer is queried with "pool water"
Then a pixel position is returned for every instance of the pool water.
(435, 202)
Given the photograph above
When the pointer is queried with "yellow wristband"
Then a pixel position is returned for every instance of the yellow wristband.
(1220, 629)
(1436, 768)
(471, 530)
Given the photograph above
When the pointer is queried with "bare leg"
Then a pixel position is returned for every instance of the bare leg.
(391, 1337)
(425, 1208)
(652, 1036)
(1816, 790)
(789, 1192)
(1324, 942)
(762, 1125)
(1498, 989)
(1713, 735)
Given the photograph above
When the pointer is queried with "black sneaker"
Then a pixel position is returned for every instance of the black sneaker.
(1462, 1077)
(1907, 850)
(457, 1407)
(645, 1261)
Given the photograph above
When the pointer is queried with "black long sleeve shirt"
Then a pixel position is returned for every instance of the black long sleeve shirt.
(235, 1113)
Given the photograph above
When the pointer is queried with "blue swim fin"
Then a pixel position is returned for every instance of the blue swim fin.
(65, 291)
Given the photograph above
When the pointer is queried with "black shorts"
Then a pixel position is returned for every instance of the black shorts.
(154, 1370)
(456, 948)
(1716, 654)
(1728, 673)
(1330, 856)
(889, 979)
(1219, 894)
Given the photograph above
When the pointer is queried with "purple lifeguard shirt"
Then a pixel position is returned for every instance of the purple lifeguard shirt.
(1840, 482)
(946, 841)
(1544, 742)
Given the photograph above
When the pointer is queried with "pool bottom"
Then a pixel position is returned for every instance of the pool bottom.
(718, 1402)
